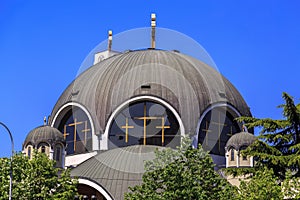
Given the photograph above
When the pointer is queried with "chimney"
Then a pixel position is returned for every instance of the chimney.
(153, 25)
(109, 40)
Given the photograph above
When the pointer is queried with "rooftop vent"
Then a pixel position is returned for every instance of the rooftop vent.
(146, 86)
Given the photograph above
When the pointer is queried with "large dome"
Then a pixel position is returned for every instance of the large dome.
(186, 83)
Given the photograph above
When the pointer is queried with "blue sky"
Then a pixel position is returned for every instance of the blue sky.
(255, 44)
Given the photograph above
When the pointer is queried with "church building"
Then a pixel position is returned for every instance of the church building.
(112, 117)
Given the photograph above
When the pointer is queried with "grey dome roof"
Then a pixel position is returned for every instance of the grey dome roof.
(116, 169)
(44, 134)
(186, 83)
(240, 139)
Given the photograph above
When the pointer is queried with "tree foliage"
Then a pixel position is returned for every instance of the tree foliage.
(263, 185)
(278, 147)
(36, 179)
(186, 173)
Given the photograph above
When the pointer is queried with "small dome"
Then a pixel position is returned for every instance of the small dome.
(240, 139)
(44, 134)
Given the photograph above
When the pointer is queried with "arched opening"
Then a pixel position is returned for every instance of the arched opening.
(216, 127)
(144, 122)
(244, 157)
(29, 152)
(92, 188)
(77, 131)
(89, 192)
(58, 155)
(44, 148)
(232, 154)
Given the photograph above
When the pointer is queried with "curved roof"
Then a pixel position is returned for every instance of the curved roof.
(116, 169)
(240, 139)
(44, 134)
(186, 83)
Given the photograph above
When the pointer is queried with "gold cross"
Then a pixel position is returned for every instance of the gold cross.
(126, 129)
(85, 131)
(145, 121)
(163, 130)
(219, 127)
(206, 130)
(65, 131)
(75, 130)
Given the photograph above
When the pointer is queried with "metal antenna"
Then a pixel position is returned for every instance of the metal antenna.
(153, 25)
(109, 40)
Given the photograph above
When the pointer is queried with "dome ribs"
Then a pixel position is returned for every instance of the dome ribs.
(187, 84)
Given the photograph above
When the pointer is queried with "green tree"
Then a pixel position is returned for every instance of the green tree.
(186, 173)
(36, 179)
(290, 186)
(279, 140)
(276, 173)
(262, 186)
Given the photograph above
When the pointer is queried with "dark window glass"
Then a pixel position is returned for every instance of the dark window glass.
(43, 149)
(232, 155)
(243, 148)
(29, 152)
(215, 129)
(145, 122)
(77, 131)
(57, 154)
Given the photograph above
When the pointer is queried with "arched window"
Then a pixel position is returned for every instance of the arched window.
(58, 153)
(232, 154)
(76, 128)
(243, 148)
(43, 149)
(29, 152)
(144, 123)
(89, 192)
(217, 126)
